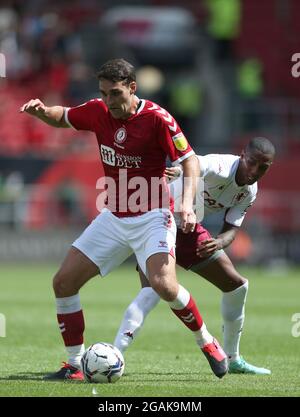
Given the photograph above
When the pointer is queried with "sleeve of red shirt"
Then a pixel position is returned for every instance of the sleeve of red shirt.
(173, 140)
(83, 117)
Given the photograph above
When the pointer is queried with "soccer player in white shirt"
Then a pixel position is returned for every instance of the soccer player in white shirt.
(230, 185)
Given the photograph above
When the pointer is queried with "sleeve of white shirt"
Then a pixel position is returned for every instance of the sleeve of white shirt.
(211, 164)
(204, 165)
(236, 214)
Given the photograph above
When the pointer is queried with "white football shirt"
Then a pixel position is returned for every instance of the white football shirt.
(220, 191)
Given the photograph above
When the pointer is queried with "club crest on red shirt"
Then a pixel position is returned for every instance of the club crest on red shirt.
(120, 135)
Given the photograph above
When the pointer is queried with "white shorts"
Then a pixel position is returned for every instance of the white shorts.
(109, 240)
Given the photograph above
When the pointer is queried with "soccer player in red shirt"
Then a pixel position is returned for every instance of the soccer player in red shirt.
(135, 137)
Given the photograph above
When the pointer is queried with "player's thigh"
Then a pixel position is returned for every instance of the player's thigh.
(161, 265)
(105, 242)
(155, 233)
(74, 272)
(222, 273)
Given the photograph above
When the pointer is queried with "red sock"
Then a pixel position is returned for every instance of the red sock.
(72, 327)
(190, 316)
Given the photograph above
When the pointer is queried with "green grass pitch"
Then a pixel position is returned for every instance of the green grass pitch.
(164, 360)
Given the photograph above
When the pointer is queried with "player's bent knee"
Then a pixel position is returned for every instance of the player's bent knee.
(166, 290)
(63, 285)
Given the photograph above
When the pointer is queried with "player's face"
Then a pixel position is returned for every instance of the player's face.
(252, 166)
(118, 97)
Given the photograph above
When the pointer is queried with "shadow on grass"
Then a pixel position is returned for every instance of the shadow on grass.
(131, 377)
(24, 376)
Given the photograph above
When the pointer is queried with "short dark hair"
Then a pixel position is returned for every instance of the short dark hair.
(117, 70)
(262, 145)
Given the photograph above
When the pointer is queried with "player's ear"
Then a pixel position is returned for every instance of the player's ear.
(132, 87)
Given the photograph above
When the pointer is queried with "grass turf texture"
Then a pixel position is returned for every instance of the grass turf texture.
(164, 360)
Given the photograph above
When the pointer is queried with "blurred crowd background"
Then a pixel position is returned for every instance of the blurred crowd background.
(223, 68)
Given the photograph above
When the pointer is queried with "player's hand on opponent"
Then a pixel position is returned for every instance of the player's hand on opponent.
(172, 173)
(35, 107)
(208, 247)
(188, 220)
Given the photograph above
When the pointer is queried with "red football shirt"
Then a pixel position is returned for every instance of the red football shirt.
(133, 153)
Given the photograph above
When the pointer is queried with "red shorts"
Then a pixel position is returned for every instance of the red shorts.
(186, 245)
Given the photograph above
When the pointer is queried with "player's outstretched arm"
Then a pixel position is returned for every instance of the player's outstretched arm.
(53, 116)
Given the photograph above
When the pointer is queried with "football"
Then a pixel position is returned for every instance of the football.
(102, 363)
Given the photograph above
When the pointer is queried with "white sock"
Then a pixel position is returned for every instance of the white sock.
(182, 299)
(233, 312)
(202, 335)
(74, 355)
(134, 317)
(67, 305)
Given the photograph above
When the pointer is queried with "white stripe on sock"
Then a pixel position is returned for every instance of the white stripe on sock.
(182, 299)
(67, 305)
